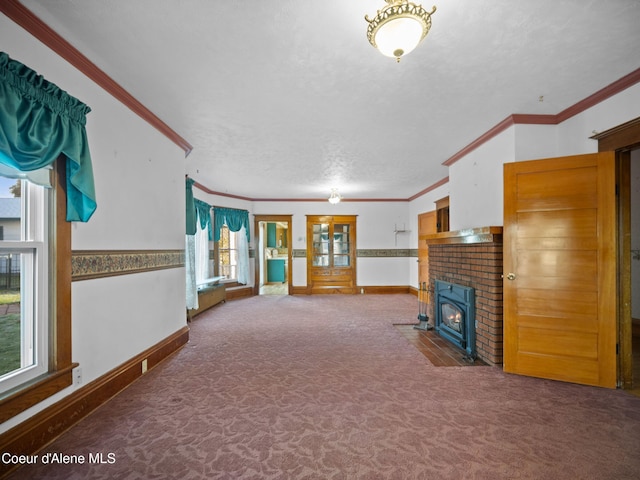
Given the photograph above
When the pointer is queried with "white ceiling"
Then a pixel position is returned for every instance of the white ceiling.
(287, 99)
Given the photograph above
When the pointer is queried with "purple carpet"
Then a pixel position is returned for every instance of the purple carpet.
(324, 387)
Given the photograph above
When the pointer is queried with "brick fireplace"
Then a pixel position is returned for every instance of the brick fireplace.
(473, 258)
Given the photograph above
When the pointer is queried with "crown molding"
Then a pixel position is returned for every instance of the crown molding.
(601, 95)
(439, 183)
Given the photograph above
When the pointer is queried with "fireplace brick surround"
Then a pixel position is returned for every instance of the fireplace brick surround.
(473, 258)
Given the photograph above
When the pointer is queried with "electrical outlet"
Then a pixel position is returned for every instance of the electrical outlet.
(77, 376)
(144, 366)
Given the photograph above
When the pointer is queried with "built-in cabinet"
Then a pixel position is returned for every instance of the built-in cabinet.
(331, 253)
(276, 235)
(276, 270)
(442, 213)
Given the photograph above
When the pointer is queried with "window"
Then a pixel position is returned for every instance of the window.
(24, 311)
(45, 280)
(226, 254)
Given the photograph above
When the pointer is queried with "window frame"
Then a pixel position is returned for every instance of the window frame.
(60, 370)
(217, 254)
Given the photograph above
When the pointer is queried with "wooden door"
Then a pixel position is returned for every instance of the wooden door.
(427, 225)
(331, 254)
(560, 254)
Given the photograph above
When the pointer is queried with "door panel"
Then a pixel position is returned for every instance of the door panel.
(427, 225)
(560, 308)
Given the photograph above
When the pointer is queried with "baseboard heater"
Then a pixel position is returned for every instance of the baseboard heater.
(210, 293)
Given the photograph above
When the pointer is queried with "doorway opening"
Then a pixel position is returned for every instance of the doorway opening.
(625, 141)
(273, 254)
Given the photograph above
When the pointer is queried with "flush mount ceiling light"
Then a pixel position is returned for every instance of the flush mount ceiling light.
(398, 28)
(334, 197)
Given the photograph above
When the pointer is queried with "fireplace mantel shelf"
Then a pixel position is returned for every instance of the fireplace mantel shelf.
(467, 236)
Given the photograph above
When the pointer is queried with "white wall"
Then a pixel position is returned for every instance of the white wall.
(476, 183)
(139, 180)
(574, 133)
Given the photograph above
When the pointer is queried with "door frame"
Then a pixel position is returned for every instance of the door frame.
(622, 139)
(256, 228)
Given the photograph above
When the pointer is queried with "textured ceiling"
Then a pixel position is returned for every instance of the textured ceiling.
(287, 99)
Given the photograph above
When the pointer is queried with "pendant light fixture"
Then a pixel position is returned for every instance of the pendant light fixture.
(398, 28)
(334, 197)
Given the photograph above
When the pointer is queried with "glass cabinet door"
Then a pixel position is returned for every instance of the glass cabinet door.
(320, 245)
(341, 245)
(331, 254)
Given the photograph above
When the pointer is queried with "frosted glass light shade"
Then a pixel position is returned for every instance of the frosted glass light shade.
(399, 36)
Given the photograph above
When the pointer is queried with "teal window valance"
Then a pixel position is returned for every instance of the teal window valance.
(38, 123)
(204, 214)
(232, 218)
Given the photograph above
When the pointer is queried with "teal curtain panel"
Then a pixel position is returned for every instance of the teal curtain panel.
(204, 214)
(191, 213)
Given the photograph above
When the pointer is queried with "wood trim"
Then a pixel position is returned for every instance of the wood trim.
(61, 271)
(442, 203)
(36, 392)
(622, 137)
(343, 200)
(249, 199)
(40, 429)
(36, 27)
(472, 235)
(236, 293)
(383, 289)
(515, 119)
(439, 183)
(533, 119)
(370, 289)
(625, 328)
(300, 290)
(601, 95)
(221, 194)
(482, 139)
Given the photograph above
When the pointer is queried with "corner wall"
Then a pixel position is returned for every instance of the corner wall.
(476, 180)
(139, 181)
